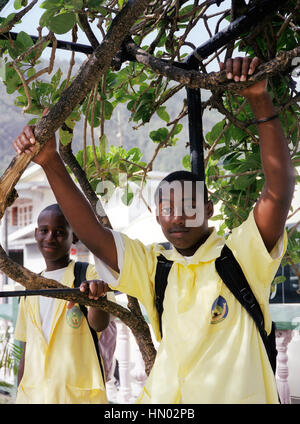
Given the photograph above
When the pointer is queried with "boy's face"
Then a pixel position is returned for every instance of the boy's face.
(54, 236)
(183, 217)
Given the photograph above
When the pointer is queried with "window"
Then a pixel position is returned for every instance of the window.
(20, 214)
(25, 215)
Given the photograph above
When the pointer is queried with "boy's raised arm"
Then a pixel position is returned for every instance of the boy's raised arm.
(271, 210)
(73, 203)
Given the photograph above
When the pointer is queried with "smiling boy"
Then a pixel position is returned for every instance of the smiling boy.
(211, 350)
(59, 363)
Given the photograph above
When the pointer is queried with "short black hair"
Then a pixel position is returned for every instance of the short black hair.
(179, 176)
(54, 207)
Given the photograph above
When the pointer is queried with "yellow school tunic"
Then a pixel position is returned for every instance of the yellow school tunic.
(211, 351)
(65, 370)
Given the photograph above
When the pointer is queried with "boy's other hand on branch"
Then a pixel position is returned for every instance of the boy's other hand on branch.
(27, 143)
(93, 288)
(239, 69)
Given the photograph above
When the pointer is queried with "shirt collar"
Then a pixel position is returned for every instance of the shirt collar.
(208, 251)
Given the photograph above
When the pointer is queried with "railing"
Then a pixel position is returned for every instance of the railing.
(287, 320)
(131, 368)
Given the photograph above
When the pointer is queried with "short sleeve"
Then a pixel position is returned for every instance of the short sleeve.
(106, 273)
(258, 265)
(20, 330)
(138, 275)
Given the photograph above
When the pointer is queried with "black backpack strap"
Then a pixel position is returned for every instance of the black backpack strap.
(232, 275)
(161, 280)
(80, 272)
(80, 269)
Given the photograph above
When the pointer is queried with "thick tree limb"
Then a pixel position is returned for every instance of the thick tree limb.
(214, 80)
(69, 158)
(87, 29)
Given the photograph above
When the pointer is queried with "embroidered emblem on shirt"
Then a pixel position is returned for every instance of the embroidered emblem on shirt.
(219, 310)
(74, 317)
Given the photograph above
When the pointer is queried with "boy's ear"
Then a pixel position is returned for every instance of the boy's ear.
(156, 216)
(35, 231)
(75, 238)
(208, 209)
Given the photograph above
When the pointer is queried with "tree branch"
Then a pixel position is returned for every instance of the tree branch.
(214, 80)
(17, 17)
(69, 158)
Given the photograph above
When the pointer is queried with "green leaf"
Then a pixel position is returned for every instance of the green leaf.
(74, 5)
(62, 23)
(243, 182)
(212, 135)
(33, 121)
(177, 129)
(19, 3)
(159, 135)
(185, 11)
(108, 109)
(52, 4)
(163, 114)
(65, 136)
(94, 4)
(56, 78)
(46, 16)
(217, 217)
(279, 279)
(237, 133)
(127, 196)
(186, 162)
(134, 154)
(30, 72)
(12, 80)
(24, 39)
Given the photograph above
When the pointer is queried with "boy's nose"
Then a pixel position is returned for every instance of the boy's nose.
(178, 219)
(49, 235)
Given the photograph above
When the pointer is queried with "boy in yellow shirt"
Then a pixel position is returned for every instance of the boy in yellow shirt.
(211, 350)
(59, 363)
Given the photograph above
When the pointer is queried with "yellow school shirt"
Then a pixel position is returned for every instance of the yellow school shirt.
(65, 370)
(211, 351)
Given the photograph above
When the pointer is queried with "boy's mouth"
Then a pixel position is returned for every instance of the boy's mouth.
(49, 248)
(178, 231)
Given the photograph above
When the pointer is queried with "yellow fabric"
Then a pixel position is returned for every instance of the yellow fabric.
(67, 369)
(208, 354)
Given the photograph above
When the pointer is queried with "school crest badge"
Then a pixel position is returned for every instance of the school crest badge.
(74, 317)
(219, 310)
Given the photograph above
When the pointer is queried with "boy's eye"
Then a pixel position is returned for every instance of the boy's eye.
(189, 208)
(60, 233)
(166, 210)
